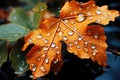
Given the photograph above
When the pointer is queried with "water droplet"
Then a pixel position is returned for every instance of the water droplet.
(46, 41)
(57, 52)
(74, 28)
(58, 29)
(34, 68)
(53, 45)
(31, 76)
(75, 12)
(70, 44)
(21, 69)
(85, 50)
(18, 55)
(48, 34)
(72, 22)
(79, 38)
(70, 33)
(93, 46)
(42, 68)
(39, 36)
(56, 61)
(43, 55)
(32, 64)
(66, 21)
(71, 13)
(98, 11)
(42, 9)
(75, 42)
(64, 28)
(46, 48)
(60, 33)
(86, 42)
(78, 46)
(97, 21)
(16, 35)
(94, 52)
(30, 40)
(65, 38)
(80, 17)
(96, 36)
(47, 60)
(88, 13)
(38, 59)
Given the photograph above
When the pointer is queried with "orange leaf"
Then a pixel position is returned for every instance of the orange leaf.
(72, 28)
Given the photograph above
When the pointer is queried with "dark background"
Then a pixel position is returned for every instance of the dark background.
(74, 68)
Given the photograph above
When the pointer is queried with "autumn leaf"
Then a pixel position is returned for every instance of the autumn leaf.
(72, 28)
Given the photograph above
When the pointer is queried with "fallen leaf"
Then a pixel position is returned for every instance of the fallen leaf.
(72, 28)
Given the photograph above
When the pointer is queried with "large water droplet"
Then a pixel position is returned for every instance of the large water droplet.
(65, 38)
(98, 11)
(70, 33)
(80, 17)
(47, 60)
(34, 68)
(53, 45)
(46, 48)
(46, 41)
(39, 36)
(96, 36)
(93, 46)
(42, 68)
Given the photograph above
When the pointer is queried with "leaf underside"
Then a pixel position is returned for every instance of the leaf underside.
(72, 28)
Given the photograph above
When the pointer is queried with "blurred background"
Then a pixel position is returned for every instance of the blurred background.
(73, 68)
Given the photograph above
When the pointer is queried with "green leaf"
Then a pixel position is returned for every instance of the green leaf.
(19, 16)
(3, 52)
(29, 4)
(30, 21)
(37, 16)
(18, 59)
(12, 31)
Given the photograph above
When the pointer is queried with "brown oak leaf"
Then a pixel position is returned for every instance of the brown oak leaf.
(72, 28)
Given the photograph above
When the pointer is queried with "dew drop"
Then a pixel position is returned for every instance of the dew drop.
(78, 46)
(60, 33)
(47, 60)
(57, 52)
(65, 38)
(48, 34)
(79, 38)
(80, 17)
(66, 21)
(97, 21)
(30, 40)
(75, 42)
(58, 29)
(39, 36)
(85, 42)
(88, 13)
(93, 46)
(72, 22)
(53, 45)
(34, 68)
(46, 41)
(74, 28)
(94, 52)
(18, 55)
(98, 11)
(96, 36)
(70, 44)
(56, 61)
(43, 55)
(42, 68)
(70, 33)
(46, 48)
